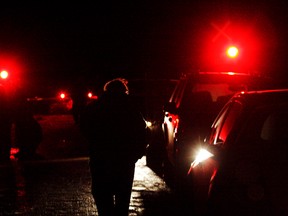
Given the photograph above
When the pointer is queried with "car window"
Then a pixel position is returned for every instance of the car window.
(216, 126)
(275, 126)
(266, 123)
(264, 133)
(216, 90)
(225, 123)
(178, 92)
(197, 109)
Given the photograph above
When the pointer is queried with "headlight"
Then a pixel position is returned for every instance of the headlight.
(201, 155)
(148, 124)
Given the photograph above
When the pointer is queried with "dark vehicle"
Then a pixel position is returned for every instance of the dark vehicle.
(58, 103)
(242, 168)
(54, 100)
(150, 95)
(188, 115)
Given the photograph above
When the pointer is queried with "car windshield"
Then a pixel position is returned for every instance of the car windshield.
(201, 102)
(216, 90)
(275, 126)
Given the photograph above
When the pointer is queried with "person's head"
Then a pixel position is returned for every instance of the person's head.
(118, 85)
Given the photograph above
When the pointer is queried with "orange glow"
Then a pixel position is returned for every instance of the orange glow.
(4, 74)
(232, 52)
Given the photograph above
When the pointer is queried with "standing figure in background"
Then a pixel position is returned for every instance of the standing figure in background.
(116, 132)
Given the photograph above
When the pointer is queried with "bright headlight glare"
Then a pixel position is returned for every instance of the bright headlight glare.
(201, 156)
(148, 123)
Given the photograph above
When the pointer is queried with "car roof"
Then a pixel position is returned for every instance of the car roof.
(262, 97)
(248, 81)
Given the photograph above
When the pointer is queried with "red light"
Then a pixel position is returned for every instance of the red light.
(233, 45)
(4, 74)
(232, 52)
(90, 95)
(11, 69)
(13, 152)
(62, 95)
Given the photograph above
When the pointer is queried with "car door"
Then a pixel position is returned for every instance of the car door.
(202, 172)
(171, 119)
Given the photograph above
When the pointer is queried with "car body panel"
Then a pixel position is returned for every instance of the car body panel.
(195, 103)
(248, 173)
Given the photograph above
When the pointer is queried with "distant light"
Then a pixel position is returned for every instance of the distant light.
(4, 74)
(90, 94)
(62, 95)
(148, 123)
(232, 52)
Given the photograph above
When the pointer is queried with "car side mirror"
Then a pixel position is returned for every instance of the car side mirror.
(170, 107)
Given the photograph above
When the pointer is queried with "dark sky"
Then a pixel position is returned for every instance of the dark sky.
(134, 40)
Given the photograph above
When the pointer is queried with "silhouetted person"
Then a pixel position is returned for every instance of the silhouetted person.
(5, 127)
(116, 132)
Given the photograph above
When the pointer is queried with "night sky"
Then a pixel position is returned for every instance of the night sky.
(154, 39)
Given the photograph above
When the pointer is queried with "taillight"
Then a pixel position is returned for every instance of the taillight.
(62, 95)
(89, 94)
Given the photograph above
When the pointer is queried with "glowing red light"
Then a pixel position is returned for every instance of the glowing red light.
(4, 74)
(90, 95)
(13, 152)
(62, 95)
(232, 52)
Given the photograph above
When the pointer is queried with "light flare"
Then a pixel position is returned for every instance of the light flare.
(4, 74)
(232, 52)
(62, 95)
(201, 156)
(148, 123)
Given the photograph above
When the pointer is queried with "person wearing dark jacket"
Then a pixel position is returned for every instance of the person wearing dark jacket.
(116, 132)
